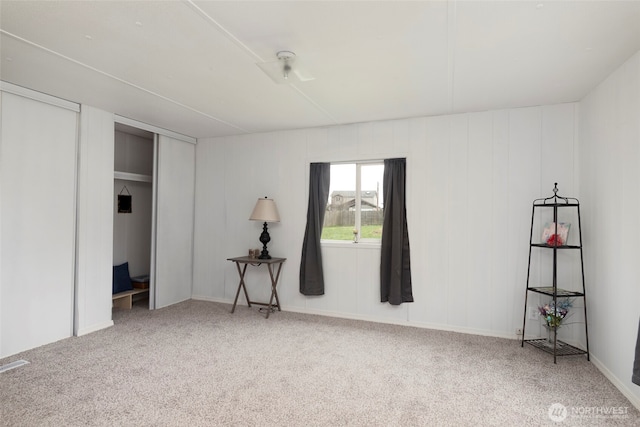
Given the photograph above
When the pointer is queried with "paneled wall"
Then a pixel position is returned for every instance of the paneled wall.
(38, 214)
(471, 180)
(610, 178)
(94, 222)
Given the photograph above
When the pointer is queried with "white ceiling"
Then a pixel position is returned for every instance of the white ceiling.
(190, 66)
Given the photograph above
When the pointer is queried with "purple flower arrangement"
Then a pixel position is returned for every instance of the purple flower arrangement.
(554, 314)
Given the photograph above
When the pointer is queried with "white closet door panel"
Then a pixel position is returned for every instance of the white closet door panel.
(174, 226)
(38, 174)
(95, 221)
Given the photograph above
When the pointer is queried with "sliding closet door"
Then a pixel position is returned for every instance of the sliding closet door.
(37, 222)
(174, 221)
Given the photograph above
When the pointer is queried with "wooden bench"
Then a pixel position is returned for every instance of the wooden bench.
(125, 299)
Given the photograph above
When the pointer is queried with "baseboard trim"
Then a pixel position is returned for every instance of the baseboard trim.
(635, 400)
(213, 299)
(365, 318)
(390, 321)
(94, 328)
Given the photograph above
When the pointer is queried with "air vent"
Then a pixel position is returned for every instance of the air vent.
(12, 365)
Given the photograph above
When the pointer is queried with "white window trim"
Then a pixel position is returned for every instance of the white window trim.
(359, 242)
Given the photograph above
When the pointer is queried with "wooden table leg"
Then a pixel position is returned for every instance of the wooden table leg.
(274, 292)
(241, 286)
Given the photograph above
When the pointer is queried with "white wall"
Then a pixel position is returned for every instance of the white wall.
(37, 231)
(471, 181)
(610, 180)
(95, 221)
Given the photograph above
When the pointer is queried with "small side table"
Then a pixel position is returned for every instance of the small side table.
(270, 263)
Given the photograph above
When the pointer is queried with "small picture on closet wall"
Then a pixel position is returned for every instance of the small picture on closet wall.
(124, 201)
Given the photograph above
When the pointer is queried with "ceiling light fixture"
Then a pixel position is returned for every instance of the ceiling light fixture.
(287, 58)
(286, 69)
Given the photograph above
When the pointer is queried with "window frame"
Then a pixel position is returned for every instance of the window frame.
(358, 205)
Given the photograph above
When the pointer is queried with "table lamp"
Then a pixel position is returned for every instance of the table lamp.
(265, 210)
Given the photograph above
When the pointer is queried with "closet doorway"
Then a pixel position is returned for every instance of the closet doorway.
(156, 167)
(133, 206)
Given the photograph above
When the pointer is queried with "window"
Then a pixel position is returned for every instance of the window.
(355, 206)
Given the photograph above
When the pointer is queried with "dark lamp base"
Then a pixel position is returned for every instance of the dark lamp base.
(264, 239)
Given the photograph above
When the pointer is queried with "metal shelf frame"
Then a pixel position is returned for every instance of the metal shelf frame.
(559, 348)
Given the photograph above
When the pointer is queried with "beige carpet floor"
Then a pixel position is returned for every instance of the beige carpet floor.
(196, 364)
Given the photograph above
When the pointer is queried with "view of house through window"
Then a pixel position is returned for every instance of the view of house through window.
(354, 210)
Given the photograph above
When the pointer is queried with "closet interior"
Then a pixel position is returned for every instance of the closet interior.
(133, 212)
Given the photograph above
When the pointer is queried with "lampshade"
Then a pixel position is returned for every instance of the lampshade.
(265, 210)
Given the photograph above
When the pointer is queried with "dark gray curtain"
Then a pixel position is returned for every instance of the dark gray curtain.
(636, 364)
(311, 276)
(395, 266)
